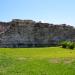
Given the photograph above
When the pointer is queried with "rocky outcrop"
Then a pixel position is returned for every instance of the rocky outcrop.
(28, 33)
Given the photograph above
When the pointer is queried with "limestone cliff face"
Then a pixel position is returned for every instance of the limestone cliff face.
(28, 33)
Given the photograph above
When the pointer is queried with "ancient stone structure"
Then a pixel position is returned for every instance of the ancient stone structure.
(28, 33)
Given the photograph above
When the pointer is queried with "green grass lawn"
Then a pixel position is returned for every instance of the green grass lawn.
(49, 52)
(37, 61)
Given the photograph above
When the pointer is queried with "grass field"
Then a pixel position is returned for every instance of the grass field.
(37, 61)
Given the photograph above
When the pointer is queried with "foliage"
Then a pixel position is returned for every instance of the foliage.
(71, 45)
(64, 44)
(68, 44)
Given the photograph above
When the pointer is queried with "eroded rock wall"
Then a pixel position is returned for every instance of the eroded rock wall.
(28, 33)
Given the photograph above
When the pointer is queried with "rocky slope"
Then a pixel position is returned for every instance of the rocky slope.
(28, 33)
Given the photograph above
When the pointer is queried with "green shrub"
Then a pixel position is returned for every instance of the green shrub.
(71, 46)
(68, 44)
(64, 44)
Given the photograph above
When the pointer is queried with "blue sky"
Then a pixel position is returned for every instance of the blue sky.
(52, 11)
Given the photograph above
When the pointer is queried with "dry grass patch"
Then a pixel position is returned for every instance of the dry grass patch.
(62, 60)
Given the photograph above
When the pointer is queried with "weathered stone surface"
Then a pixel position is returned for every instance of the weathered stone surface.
(28, 33)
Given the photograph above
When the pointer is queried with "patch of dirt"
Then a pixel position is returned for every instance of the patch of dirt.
(68, 60)
(23, 58)
(54, 60)
(63, 60)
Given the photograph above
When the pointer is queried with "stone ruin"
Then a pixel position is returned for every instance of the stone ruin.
(28, 33)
